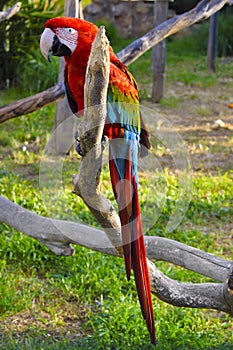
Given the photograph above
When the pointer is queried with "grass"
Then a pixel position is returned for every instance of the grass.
(85, 301)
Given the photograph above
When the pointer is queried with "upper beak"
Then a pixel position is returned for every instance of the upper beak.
(46, 43)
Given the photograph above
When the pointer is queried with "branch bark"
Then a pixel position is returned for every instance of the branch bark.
(217, 296)
(59, 235)
(4, 15)
(90, 132)
(32, 103)
(202, 11)
(128, 55)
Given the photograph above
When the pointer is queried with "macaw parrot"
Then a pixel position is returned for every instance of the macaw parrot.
(125, 129)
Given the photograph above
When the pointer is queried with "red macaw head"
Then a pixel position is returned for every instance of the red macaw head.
(64, 35)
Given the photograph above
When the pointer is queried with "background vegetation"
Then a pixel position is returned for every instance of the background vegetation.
(21, 63)
(85, 302)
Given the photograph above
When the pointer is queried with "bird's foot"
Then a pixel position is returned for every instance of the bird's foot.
(104, 141)
(78, 148)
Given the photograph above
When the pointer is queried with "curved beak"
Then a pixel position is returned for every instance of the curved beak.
(46, 43)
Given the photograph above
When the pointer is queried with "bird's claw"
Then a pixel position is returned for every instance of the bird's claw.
(79, 150)
(76, 136)
(104, 141)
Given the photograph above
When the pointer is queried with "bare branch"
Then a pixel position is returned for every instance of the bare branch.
(63, 233)
(32, 103)
(188, 257)
(195, 295)
(4, 15)
(86, 183)
(128, 55)
(202, 11)
(58, 235)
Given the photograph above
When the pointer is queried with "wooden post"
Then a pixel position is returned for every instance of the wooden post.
(159, 53)
(78, 9)
(63, 111)
(212, 43)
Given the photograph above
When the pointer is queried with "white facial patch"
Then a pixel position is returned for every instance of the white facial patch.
(68, 37)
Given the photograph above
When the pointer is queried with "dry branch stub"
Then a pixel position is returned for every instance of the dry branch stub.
(86, 183)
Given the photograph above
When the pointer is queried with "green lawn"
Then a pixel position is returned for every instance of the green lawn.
(85, 301)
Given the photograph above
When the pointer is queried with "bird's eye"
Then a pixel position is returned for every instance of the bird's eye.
(70, 30)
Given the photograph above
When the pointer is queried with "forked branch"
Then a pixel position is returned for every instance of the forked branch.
(86, 185)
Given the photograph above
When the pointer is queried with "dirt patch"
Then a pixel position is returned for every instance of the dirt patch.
(204, 121)
(55, 322)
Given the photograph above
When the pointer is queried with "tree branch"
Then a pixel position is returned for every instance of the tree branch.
(86, 183)
(195, 295)
(64, 233)
(4, 15)
(188, 257)
(202, 11)
(58, 235)
(32, 103)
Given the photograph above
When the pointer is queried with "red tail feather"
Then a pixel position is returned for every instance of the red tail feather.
(139, 265)
(126, 194)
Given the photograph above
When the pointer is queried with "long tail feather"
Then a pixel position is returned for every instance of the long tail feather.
(140, 268)
(126, 194)
(117, 183)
